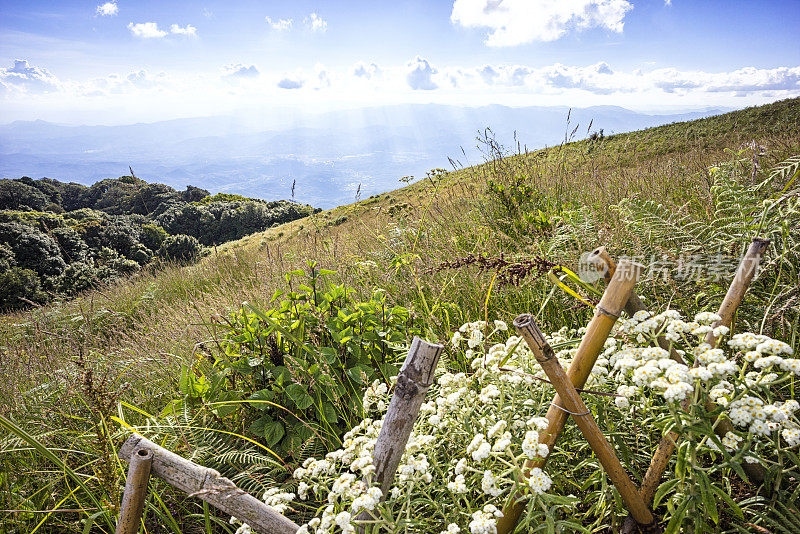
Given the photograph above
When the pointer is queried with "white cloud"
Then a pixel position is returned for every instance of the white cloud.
(109, 9)
(750, 79)
(595, 78)
(291, 82)
(315, 23)
(237, 70)
(188, 30)
(419, 74)
(366, 70)
(280, 24)
(143, 80)
(146, 30)
(27, 78)
(516, 22)
(323, 76)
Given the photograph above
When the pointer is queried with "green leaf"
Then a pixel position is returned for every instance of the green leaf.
(172, 408)
(674, 525)
(224, 410)
(728, 500)
(259, 425)
(662, 490)
(261, 398)
(709, 502)
(355, 373)
(329, 412)
(273, 432)
(299, 396)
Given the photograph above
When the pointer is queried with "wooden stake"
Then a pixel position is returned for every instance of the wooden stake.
(416, 376)
(611, 304)
(208, 485)
(573, 404)
(736, 291)
(130, 513)
(606, 264)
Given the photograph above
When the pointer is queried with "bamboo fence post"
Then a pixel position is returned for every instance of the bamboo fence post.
(130, 513)
(416, 376)
(208, 485)
(603, 261)
(529, 330)
(741, 282)
(611, 304)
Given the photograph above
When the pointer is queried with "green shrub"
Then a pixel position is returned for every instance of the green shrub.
(153, 236)
(33, 249)
(7, 260)
(113, 265)
(77, 277)
(73, 248)
(301, 367)
(17, 283)
(15, 195)
(181, 248)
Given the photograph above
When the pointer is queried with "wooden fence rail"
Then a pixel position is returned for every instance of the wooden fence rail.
(208, 485)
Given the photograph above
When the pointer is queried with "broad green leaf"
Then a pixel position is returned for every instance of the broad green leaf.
(299, 396)
(273, 432)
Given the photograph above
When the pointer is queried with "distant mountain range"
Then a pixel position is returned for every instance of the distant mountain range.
(328, 155)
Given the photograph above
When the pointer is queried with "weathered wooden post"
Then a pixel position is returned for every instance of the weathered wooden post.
(529, 330)
(611, 304)
(416, 376)
(130, 513)
(208, 485)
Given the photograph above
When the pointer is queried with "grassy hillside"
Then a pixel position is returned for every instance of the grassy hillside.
(444, 247)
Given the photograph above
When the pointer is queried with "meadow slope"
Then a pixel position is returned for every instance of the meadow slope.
(667, 192)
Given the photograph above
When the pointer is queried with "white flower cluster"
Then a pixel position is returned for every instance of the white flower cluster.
(467, 451)
(735, 379)
(470, 441)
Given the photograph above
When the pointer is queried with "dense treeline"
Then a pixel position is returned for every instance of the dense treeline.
(59, 238)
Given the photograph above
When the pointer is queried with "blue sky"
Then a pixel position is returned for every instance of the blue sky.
(106, 62)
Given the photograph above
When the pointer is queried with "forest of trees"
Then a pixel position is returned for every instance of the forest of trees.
(60, 238)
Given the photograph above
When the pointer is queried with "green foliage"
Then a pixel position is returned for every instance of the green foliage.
(16, 195)
(49, 225)
(112, 264)
(181, 248)
(73, 248)
(17, 283)
(295, 374)
(226, 197)
(77, 277)
(33, 249)
(153, 236)
(219, 222)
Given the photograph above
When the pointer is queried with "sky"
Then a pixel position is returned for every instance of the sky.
(90, 62)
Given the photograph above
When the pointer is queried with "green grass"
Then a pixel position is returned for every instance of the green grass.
(640, 193)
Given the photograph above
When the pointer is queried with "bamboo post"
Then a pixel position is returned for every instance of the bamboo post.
(611, 304)
(529, 330)
(130, 514)
(606, 264)
(208, 485)
(741, 282)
